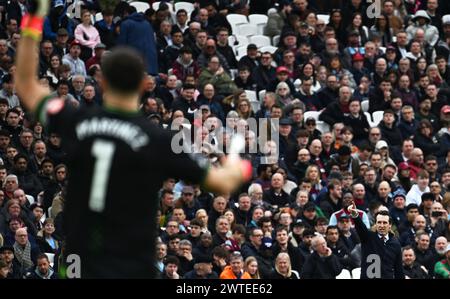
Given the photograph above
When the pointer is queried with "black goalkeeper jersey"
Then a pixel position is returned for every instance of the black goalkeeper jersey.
(117, 163)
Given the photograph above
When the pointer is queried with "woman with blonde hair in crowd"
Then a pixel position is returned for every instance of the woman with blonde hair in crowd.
(313, 174)
(202, 216)
(283, 268)
(251, 267)
(244, 108)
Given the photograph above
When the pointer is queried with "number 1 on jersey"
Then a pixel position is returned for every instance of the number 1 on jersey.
(103, 152)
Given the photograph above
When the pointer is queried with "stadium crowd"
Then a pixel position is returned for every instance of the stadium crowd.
(364, 117)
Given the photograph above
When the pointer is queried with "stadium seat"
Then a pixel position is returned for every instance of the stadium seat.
(247, 29)
(241, 51)
(345, 274)
(235, 20)
(235, 41)
(369, 119)
(251, 95)
(365, 106)
(271, 11)
(270, 49)
(255, 106)
(260, 40)
(275, 40)
(98, 16)
(51, 258)
(261, 95)
(313, 114)
(259, 20)
(322, 126)
(142, 6)
(189, 7)
(155, 5)
(325, 18)
(356, 273)
(377, 116)
(30, 199)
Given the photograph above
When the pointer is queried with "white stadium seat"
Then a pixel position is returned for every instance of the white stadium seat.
(141, 6)
(345, 274)
(356, 273)
(260, 40)
(241, 51)
(51, 258)
(270, 49)
(247, 29)
(155, 5)
(365, 106)
(236, 41)
(325, 18)
(275, 40)
(261, 95)
(251, 95)
(189, 7)
(322, 126)
(259, 20)
(98, 16)
(313, 114)
(377, 116)
(235, 20)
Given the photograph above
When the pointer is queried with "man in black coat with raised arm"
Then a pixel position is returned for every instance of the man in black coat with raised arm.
(378, 247)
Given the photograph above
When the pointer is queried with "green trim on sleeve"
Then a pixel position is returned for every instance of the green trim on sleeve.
(41, 111)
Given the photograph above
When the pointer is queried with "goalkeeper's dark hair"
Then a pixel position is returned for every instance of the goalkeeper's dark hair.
(123, 70)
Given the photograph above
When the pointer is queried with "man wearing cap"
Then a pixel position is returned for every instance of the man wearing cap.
(188, 202)
(61, 46)
(7, 256)
(282, 75)
(77, 66)
(99, 49)
(251, 59)
(203, 269)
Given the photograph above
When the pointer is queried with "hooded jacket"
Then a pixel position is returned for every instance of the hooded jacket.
(136, 32)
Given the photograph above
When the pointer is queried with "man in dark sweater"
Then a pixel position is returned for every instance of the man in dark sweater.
(381, 255)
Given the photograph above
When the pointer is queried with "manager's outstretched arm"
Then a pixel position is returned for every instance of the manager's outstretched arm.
(26, 82)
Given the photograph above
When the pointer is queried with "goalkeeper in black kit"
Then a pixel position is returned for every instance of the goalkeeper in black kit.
(118, 161)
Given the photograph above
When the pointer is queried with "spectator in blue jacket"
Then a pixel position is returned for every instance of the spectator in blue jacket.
(136, 32)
